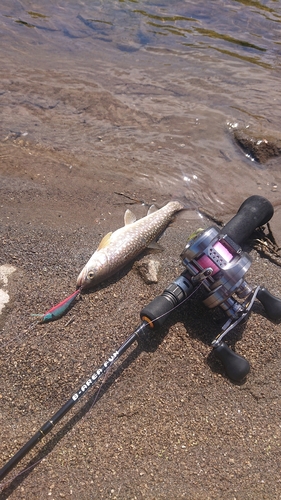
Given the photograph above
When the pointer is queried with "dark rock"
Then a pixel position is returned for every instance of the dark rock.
(257, 146)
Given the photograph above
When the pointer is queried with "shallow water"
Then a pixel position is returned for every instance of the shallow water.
(151, 89)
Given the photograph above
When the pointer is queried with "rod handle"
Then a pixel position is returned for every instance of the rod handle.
(235, 365)
(254, 212)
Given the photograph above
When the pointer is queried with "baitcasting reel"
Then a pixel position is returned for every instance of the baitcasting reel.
(214, 258)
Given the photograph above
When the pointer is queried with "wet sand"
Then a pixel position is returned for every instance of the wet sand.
(166, 423)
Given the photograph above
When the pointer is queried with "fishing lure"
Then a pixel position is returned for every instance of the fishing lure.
(59, 309)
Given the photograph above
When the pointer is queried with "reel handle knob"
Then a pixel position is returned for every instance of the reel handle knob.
(235, 365)
(254, 212)
(271, 304)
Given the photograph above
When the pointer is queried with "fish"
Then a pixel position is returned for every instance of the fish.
(120, 247)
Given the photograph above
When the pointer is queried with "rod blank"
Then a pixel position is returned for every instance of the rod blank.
(48, 426)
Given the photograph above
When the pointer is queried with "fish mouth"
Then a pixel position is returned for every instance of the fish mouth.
(82, 285)
(82, 281)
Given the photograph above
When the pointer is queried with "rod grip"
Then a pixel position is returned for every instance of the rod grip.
(254, 212)
(158, 310)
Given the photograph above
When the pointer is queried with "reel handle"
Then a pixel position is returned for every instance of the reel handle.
(254, 212)
(271, 304)
(235, 365)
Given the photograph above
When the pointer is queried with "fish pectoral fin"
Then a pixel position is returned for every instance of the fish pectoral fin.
(105, 241)
(129, 217)
(152, 209)
(154, 245)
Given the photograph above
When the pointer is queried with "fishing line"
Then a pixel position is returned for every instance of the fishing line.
(5, 485)
(107, 373)
(102, 373)
(20, 336)
(57, 307)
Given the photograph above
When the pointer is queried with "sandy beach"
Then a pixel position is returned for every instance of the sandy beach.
(166, 423)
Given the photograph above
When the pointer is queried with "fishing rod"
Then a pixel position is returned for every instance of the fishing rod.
(48, 426)
(214, 259)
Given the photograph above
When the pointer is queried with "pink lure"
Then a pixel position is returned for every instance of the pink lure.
(59, 309)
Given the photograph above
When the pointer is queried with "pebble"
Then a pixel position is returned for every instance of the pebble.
(148, 269)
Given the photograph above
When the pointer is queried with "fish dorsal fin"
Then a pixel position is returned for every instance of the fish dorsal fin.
(104, 242)
(152, 209)
(129, 217)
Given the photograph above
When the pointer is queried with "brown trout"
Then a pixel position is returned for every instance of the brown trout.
(119, 248)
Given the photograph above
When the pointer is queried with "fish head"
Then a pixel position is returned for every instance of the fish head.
(94, 271)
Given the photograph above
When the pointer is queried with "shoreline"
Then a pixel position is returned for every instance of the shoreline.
(166, 422)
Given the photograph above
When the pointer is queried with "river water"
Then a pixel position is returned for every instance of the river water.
(154, 89)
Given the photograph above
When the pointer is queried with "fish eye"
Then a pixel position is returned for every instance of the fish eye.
(90, 275)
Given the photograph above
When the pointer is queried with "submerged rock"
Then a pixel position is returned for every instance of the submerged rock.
(260, 147)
